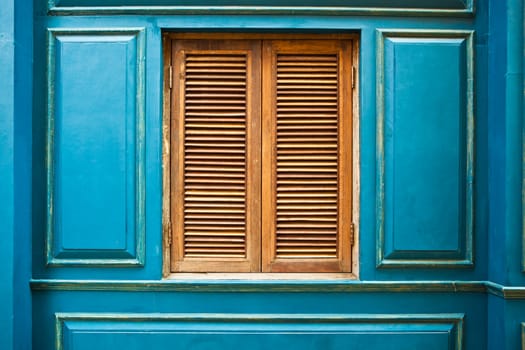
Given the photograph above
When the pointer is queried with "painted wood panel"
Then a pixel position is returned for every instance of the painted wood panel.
(255, 331)
(425, 148)
(95, 149)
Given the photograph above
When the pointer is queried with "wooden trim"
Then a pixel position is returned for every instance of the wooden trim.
(253, 158)
(345, 157)
(268, 164)
(261, 36)
(177, 160)
(356, 156)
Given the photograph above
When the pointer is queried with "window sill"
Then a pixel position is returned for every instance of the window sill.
(312, 285)
(262, 276)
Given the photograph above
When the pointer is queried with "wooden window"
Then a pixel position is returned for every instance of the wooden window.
(260, 153)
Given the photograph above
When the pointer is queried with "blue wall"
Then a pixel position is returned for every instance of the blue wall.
(16, 56)
(506, 230)
(506, 125)
(441, 254)
(445, 248)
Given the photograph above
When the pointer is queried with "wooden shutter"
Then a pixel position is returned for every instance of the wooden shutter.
(215, 138)
(306, 155)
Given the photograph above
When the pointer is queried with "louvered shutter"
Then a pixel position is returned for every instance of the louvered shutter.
(306, 155)
(215, 138)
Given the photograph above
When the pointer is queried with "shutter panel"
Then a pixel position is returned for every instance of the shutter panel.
(216, 146)
(306, 156)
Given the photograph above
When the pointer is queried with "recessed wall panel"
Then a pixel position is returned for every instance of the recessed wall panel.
(425, 150)
(95, 152)
(309, 332)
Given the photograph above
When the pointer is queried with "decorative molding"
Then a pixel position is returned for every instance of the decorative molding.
(132, 256)
(260, 286)
(466, 260)
(279, 286)
(468, 10)
(504, 291)
(310, 323)
(494, 289)
(456, 318)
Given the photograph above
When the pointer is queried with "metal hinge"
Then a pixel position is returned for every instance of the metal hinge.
(352, 233)
(171, 77)
(353, 77)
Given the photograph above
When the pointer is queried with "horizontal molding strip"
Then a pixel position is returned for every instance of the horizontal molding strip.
(504, 291)
(272, 286)
(256, 10)
(260, 286)
(260, 318)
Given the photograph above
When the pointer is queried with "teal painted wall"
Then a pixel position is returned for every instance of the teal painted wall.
(429, 36)
(441, 169)
(506, 230)
(16, 55)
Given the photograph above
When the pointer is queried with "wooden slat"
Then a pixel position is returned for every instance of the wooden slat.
(215, 121)
(306, 181)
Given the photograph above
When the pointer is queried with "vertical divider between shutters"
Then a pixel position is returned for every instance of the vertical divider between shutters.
(268, 150)
(253, 159)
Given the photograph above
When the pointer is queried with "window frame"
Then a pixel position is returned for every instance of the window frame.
(167, 224)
